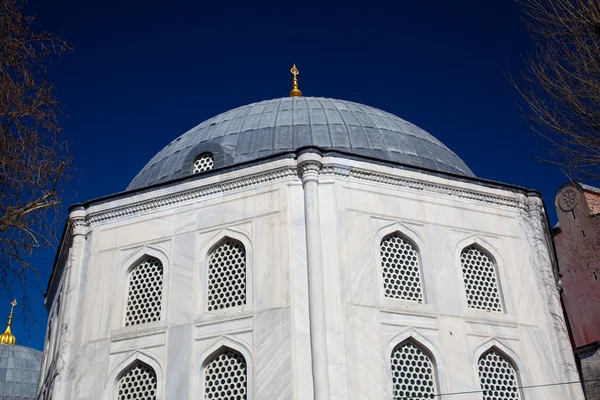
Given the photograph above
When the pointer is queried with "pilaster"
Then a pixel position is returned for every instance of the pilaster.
(309, 165)
(66, 363)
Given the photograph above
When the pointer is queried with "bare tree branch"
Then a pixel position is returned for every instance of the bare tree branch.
(34, 161)
(560, 87)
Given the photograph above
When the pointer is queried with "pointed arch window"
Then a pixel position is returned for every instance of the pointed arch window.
(144, 297)
(481, 279)
(138, 382)
(413, 372)
(498, 377)
(226, 275)
(203, 162)
(225, 376)
(400, 266)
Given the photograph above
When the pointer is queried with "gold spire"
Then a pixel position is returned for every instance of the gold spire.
(295, 91)
(7, 337)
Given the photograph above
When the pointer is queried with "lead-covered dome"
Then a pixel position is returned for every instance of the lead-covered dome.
(19, 372)
(271, 127)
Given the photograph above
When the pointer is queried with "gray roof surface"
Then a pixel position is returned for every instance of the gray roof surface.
(589, 188)
(274, 126)
(19, 372)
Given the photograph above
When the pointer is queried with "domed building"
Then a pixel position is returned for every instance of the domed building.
(307, 248)
(19, 366)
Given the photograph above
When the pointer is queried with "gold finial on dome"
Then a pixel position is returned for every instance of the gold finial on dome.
(295, 91)
(7, 337)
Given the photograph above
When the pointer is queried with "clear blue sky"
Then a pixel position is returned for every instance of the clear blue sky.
(144, 72)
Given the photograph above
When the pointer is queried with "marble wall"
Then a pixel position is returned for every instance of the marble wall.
(263, 207)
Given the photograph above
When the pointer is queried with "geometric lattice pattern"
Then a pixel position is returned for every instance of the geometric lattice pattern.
(400, 267)
(144, 299)
(138, 383)
(412, 373)
(204, 162)
(481, 281)
(498, 377)
(227, 276)
(225, 377)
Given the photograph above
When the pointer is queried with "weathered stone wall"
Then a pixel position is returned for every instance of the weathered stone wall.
(315, 298)
(590, 371)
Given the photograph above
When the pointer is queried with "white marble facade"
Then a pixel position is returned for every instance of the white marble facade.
(316, 323)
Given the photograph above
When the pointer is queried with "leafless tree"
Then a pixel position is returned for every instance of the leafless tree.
(34, 161)
(560, 86)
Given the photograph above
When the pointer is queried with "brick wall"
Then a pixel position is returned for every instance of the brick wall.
(577, 242)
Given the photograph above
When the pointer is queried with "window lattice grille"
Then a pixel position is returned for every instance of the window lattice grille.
(204, 162)
(227, 276)
(139, 382)
(144, 299)
(225, 377)
(498, 377)
(412, 373)
(400, 267)
(481, 282)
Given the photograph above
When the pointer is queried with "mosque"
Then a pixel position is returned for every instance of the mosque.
(19, 366)
(307, 248)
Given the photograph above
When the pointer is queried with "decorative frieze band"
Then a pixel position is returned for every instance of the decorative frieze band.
(420, 185)
(304, 168)
(169, 200)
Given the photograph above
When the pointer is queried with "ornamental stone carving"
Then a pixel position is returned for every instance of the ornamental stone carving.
(308, 169)
(568, 199)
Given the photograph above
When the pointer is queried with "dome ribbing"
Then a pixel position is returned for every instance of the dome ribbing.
(275, 126)
(19, 372)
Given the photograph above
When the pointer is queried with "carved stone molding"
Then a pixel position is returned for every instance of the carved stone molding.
(168, 200)
(307, 170)
(568, 199)
(421, 185)
(309, 166)
(333, 169)
(79, 225)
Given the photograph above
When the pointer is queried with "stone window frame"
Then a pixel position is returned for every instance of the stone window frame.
(426, 268)
(122, 366)
(127, 265)
(507, 313)
(202, 292)
(420, 340)
(220, 158)
(510, 355)
(210, 351)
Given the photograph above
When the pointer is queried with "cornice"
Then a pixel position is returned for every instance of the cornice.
(180, 197)
(303, 168)
(421, 185)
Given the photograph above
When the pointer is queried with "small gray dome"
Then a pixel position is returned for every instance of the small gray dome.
(19, 372)
(275, 126)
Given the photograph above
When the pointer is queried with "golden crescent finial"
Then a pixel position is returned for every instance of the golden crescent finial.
(7, 337)
(295, 91)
